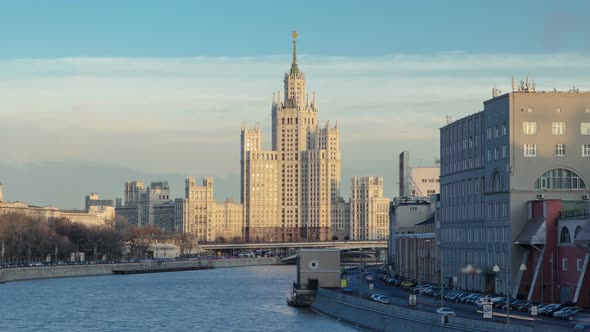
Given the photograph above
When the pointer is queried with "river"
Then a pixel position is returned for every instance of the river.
(229, 299)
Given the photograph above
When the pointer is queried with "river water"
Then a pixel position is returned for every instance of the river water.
(228, 299)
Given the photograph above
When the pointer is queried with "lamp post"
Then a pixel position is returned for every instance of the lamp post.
(441, 280)
(497, 270)
(522, 269)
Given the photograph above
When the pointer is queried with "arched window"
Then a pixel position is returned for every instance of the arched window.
(578, 229)
(559, 178)
(565, 235)
(497, 184)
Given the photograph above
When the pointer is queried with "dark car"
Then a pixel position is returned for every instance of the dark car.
(500, 303)
(550, 309)
(523, 306)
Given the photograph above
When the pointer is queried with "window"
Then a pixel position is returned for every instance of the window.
(560, 150)
(558, 128)
(496, 132)
(496, 184)
(578, 229)
(489, 155)
(564, 264)
(504, 151)
(585, 128)
(496, 153)
(585, 150)
(565, 235)
(579, 264)
(529, 128)
(504, 129)
(530, 150)
(559, 178)
(489, 132)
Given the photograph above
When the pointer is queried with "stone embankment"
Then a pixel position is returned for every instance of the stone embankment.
(68, 271)
(374, 316)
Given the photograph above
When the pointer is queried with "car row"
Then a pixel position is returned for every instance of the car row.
(562, 311)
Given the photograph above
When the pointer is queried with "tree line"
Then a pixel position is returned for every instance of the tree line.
(26, 239)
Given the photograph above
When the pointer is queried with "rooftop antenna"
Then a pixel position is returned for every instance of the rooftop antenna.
(513, 87)
(448, 119)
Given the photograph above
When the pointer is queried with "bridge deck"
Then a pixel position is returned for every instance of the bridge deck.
(331, 244)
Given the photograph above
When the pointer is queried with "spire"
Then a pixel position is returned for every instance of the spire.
(294, 68)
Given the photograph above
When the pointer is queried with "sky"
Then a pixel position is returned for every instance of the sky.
(96, 93)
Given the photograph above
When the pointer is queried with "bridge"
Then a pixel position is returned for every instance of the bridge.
(344, 245)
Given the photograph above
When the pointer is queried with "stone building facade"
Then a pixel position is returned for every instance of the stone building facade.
(140, 201)
(288, 192)
(524, 145)
(369, 210)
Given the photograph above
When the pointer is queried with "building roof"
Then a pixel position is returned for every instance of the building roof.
(534, 233)
(427, 221)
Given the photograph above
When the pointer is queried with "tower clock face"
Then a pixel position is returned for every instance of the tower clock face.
(314, 264)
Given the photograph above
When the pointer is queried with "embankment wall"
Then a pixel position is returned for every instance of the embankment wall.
(374, 316)
(68, 271)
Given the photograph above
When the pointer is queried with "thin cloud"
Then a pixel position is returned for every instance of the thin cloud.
(181, 114)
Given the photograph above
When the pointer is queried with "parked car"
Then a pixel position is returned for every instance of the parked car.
(580, 317)
(445, 311)
(456, 296)
(513, 303)
(524, 306)
(375, 296)
(467, 297)
(383, 299)
(407, 284)
(550, 309)
(566, 312)
(472, 299)
(430, 290)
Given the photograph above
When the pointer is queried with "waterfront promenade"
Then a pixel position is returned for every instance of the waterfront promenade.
(357, 309)
(68, 271)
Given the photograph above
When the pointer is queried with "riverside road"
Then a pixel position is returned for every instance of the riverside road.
(398, 296)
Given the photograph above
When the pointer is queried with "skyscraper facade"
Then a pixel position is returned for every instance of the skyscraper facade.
(288, 192)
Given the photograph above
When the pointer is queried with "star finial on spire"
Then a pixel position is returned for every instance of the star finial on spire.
(294, 68)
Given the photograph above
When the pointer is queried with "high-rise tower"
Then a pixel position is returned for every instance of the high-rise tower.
(293, 186)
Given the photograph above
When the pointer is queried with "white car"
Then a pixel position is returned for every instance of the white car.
(382, 299)
(445, 312)
(374, 297)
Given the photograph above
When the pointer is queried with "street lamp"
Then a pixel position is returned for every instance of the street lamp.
(497, 270)
(522, 269)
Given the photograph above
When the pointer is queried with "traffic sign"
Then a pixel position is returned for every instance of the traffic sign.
(412, 299)
(534, 310)
(487, 310)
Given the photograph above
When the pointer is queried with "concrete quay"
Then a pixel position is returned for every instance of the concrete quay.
(374, 316)
(69, 271)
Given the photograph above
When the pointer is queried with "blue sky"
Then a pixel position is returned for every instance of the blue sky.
(250, 28)
(96, 93)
